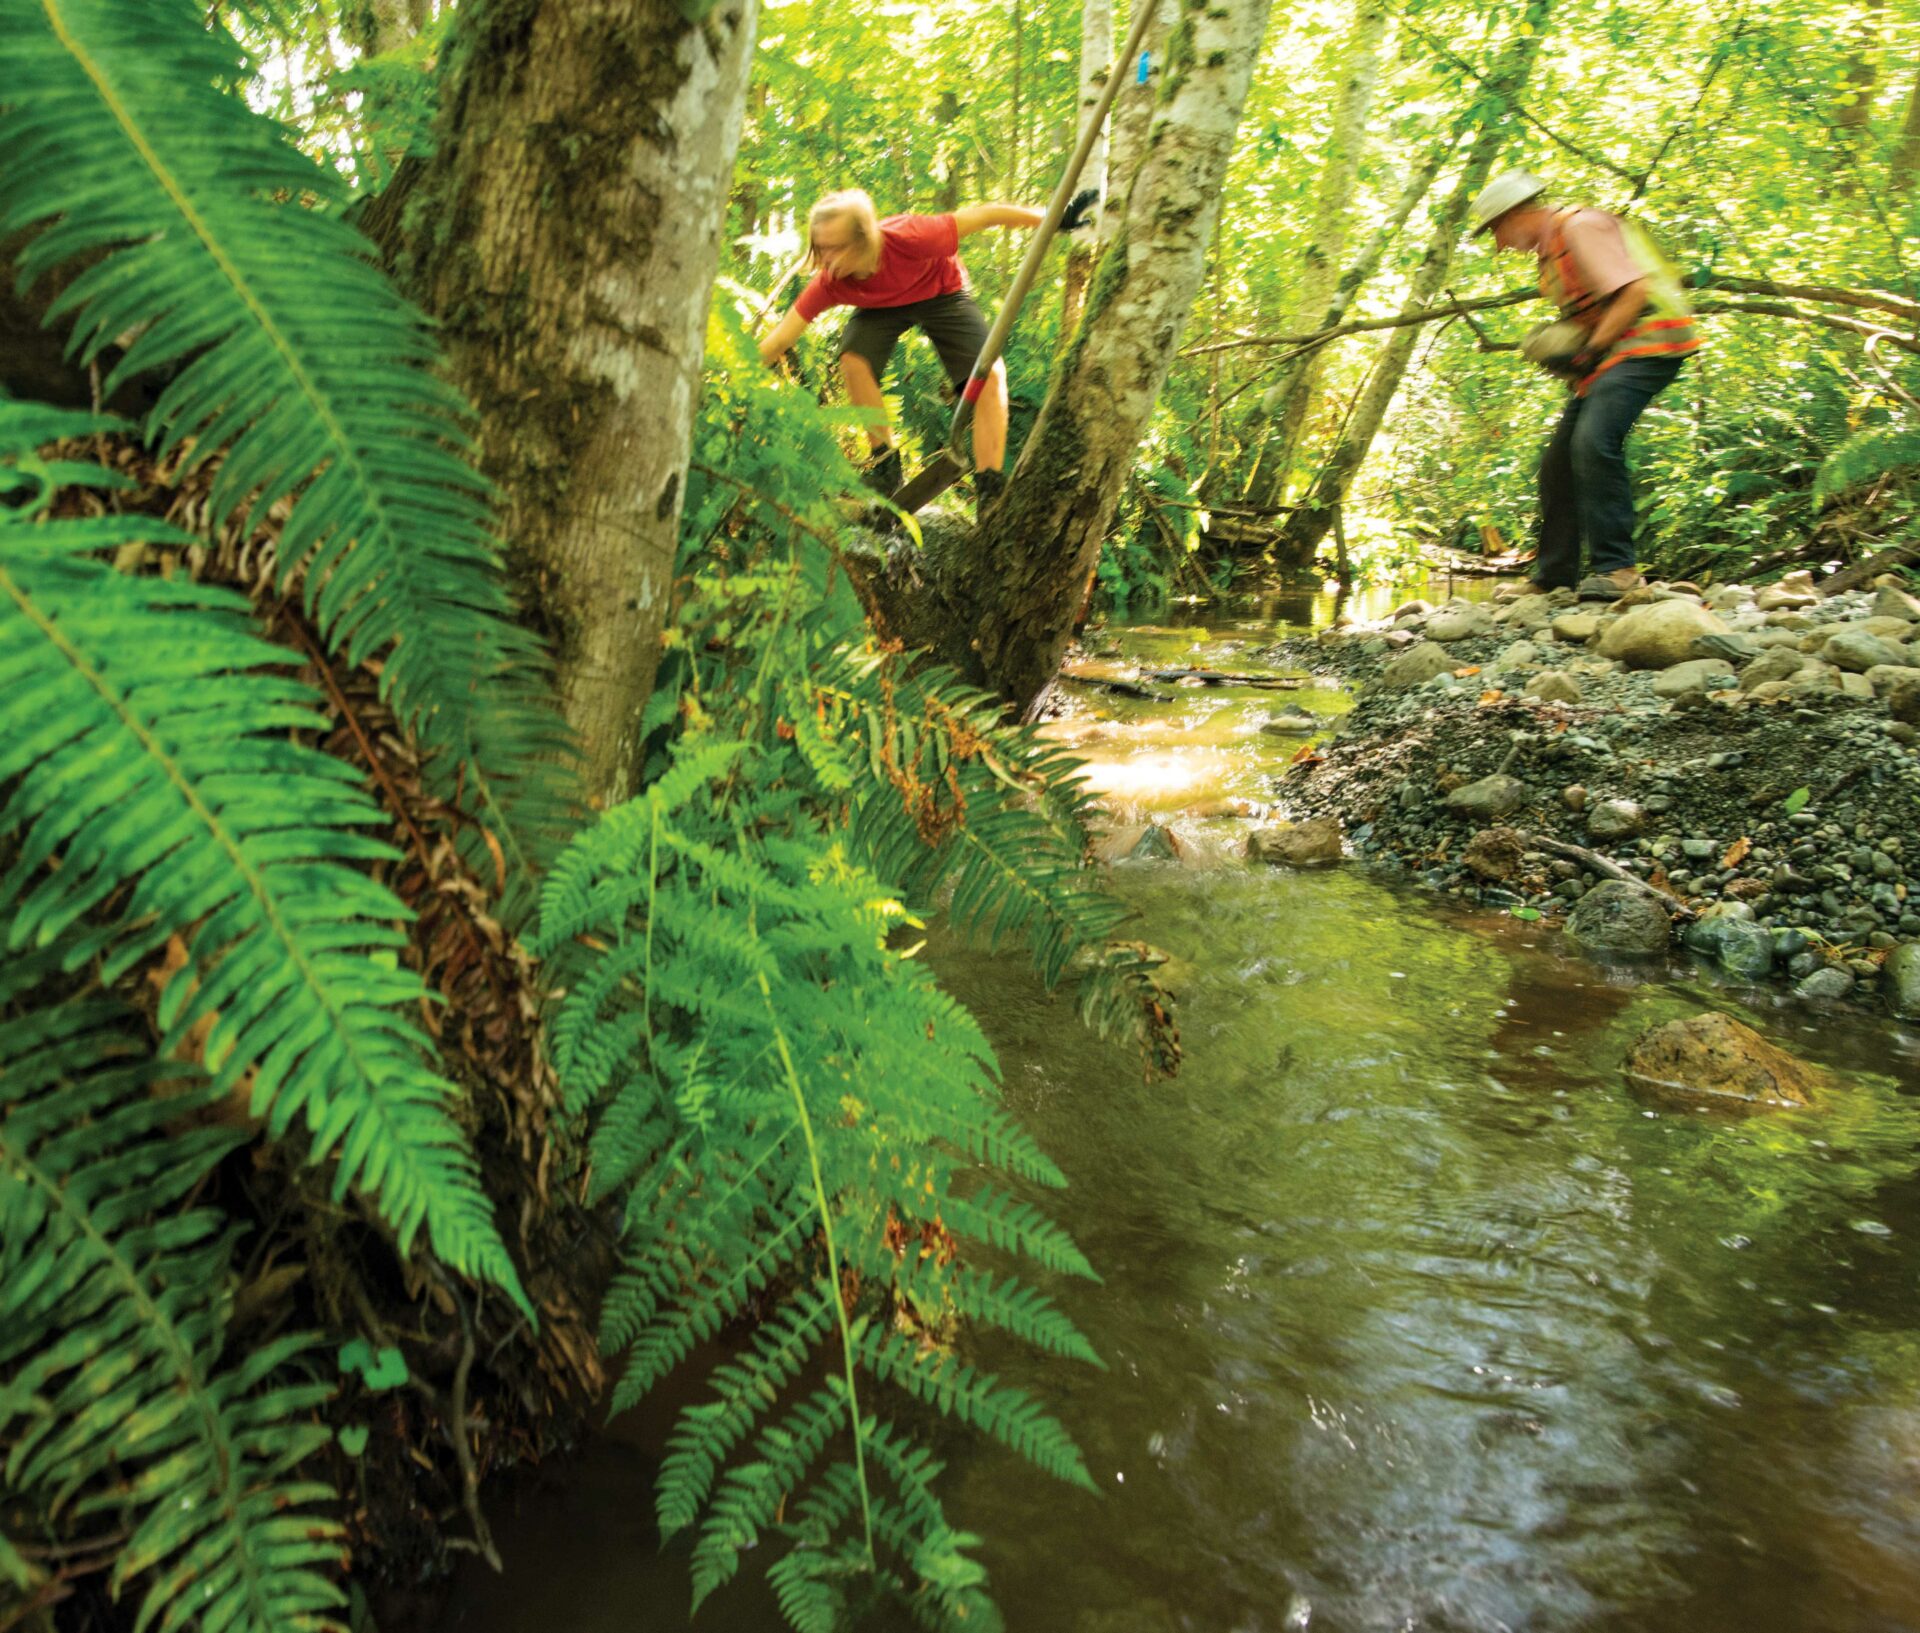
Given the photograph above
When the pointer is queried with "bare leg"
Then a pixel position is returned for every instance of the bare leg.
(863, 391)
(990, 422)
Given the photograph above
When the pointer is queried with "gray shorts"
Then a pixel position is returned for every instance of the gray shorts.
(954, 323)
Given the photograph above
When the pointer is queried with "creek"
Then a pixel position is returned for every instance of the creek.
(1415, 1316)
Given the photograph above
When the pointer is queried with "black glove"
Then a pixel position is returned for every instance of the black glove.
(1074, 217)
(1583, 363)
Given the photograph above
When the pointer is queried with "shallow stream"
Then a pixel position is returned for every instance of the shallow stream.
(1416, 1317)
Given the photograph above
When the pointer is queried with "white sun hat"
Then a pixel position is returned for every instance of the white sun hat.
(1505, 192)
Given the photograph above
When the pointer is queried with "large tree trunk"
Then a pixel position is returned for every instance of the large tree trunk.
(1320, 259)
(571, 277)
(1307, 526)
(1096, 63)
(1003, 603)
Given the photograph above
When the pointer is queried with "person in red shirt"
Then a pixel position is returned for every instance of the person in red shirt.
(903, 272)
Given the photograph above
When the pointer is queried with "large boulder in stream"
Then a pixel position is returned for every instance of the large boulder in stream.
(1658, 635)
(1621, 919)
(1719, 1061)
(1296, 844)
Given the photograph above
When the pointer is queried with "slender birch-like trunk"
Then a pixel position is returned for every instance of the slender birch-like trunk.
(1320, 260)
(1307, 526)
(1009, 597)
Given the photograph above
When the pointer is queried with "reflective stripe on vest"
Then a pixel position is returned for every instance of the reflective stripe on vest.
(1665, 326)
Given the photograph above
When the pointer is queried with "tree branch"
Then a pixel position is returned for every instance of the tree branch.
(1870, 300)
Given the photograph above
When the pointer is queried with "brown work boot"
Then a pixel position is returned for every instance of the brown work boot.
(1609, 586)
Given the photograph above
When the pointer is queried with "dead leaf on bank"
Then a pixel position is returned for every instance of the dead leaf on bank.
(1736, 853)
(1471, 669)
(1491, 695)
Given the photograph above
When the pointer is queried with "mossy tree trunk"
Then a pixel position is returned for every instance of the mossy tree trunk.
(567, 237)
(1306, 527)
(1011, 594)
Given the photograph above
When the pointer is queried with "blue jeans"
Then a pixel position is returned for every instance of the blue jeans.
(1586, 494)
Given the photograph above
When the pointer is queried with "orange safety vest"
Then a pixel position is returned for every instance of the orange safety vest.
(1665, 327)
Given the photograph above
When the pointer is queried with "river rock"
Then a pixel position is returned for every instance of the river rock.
(1728, 597)
(1695, 675)
(1411, 609)
(1616, 819)
(1524, 654)
(1828, 985)
(1659, 635)
(1889, 602)
(1138, 842)
(1575, 627)
(1902, 976)
(1734, 648)
(1814, 677)
(1886, 676)
(1776, 663)
(1616, 917)
(1418, 664)
(1718, 1059)
(1860, 651)
(1490, 798)
(1897, 630)
(1795, 589)
(1458, 624)
(1554, 686)
(1296, 844)
(1528, 612)
(1737, 945)
(1289, 723)
(1494, 853)
(1856, 685)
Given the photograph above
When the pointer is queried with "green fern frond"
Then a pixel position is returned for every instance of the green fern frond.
(750, 1494)
(111, 1328)
(207, 821)
(707, 1434)
(1010, 1415)
(292, 356)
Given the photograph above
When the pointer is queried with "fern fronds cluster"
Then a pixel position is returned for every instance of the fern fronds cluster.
(158, 793)
(800, 1127)
(120, 1403)
(202, 230)
(775, 1091)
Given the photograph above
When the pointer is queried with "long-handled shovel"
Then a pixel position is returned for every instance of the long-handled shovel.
(949, 464)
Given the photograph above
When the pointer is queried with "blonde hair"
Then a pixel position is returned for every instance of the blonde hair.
(853, 206)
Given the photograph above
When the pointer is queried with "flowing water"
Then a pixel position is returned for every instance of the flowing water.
(1415, 1316)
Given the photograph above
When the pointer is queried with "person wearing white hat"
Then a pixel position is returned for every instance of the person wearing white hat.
(1623, 332)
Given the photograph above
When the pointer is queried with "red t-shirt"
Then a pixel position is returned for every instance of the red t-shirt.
(919, 258)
